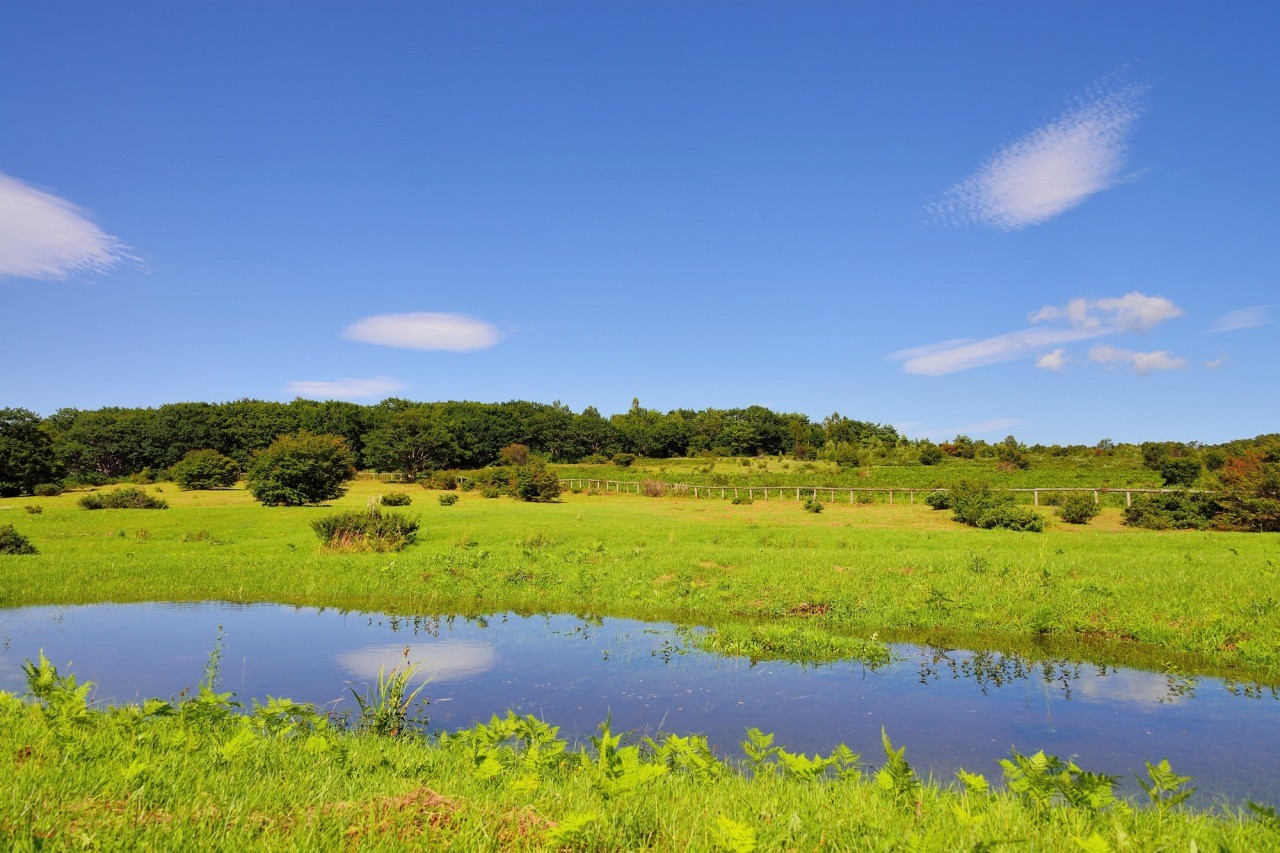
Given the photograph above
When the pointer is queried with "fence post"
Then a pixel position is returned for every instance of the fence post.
(1035, 497)
(891, 497)
(1128, 499)
(1095, 497)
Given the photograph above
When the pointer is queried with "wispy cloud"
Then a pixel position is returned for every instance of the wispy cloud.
(1244, 318)
(1055, 360)
(1141, 362)
(1051, 169)
(1078, 320)
(346, 389)
(425, 330)
(46, 237)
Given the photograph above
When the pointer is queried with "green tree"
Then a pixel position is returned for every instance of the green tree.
(26, 453)
(411, 441)
(534, 481)
(302, 469)
(205, 469)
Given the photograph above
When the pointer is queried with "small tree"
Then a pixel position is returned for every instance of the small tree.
(930, 453)
(1179, 470)
(1077, 509)
(970, 500)
(205, 469)
(302, 469)
(13, 542)
(534, 482)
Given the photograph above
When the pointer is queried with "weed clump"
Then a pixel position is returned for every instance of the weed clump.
(1012, 517)
(33, 509)
(368, 530)
(396, 499)
(13, 542)
(448, 500)
(1077, 509)
(125, 497)
(938, 500)
(741, 500)
(812, 504)
(651, 489)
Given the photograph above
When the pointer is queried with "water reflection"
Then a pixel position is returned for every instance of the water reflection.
(952, 708)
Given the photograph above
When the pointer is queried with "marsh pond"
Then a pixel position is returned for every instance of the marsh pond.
(950, 708)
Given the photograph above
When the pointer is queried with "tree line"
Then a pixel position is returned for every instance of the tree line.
(398, 435)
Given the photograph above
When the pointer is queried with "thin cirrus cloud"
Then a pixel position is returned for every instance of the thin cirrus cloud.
(46, 237)
(1244, 318)
(425, 330)
(1051, 169)
(346, 389)
(1141, 362)
(1080, 319)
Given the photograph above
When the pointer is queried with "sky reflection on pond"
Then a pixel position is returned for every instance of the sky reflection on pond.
(950, 708)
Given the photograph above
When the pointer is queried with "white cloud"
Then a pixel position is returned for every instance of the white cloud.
(1055, 360)
(951, 356)
(1141, 362)
(1244, 318)
(441, 660)
(347, 389)
(1133, 312)
(1080, 319)
(425, 330)
(43, 236)
(1051, 169)
(1216, 363)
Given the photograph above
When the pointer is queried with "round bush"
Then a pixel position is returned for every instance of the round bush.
(205, 469)
(624, 460)
(1077, 509)
(448, 500)
(396, 499)
(47, 490)
(938, 500)
(13, 542)
(1012, 517)
(125, 497)
(302, 469)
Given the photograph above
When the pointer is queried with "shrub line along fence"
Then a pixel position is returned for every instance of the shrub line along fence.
(831, 491)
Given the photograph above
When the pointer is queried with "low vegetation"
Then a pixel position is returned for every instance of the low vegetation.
(205, 469)
(282, 775)
(1078, 509)
(13, 542)
(125, 497)
(396, 499)
(366, 530)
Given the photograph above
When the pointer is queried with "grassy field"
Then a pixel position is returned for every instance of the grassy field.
(1203, 602)
(200, 776)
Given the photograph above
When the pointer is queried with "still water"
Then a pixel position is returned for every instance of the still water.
(950, 708)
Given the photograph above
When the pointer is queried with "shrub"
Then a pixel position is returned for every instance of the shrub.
(1012, 517)
(514, 454)
(1179, 471)
(33, 509)
(448, 500)
(396, 499)
(1171, 511)
(812, 504)
(443, 480)
(13, 542)
(970, 500)
(741, 500)
(535, 482)
(938, 499)
(931, 454)
(1077, 509)
(624, 460)
(368, 530)
(125, 497)
(301, 469)
(466, 485)
(594, 459)
(490, 492)
(652, 489)
(205, 469)
(47, 490)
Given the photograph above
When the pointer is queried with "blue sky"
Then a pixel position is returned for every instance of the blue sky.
(1049, 219)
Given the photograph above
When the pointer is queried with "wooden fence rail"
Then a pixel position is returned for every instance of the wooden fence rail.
(830, 492)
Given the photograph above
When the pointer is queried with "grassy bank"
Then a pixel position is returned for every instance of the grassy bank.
(1205, 602)
(197, 774)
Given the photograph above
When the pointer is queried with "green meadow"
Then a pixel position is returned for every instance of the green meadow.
(774, 580)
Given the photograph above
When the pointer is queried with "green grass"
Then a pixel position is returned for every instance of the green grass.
(1207, 603)
(198, 775)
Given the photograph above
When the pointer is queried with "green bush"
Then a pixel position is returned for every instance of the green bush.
(1012, 517)
(931, 454)
(490, 492)
(205, 469)
(1180, 470)
(47, 490)
(1077, 509)
(448, 500)
(594, 459)
(301, 469)
(13, 542)
(368, 530)
(970, 500)
(396, 499)
(812, 504)
(624, 460)
(535, 482)
(741, 500)
(1171, 511)
(33, 509)
(443, 480)
(938, 499)
(125, 497)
